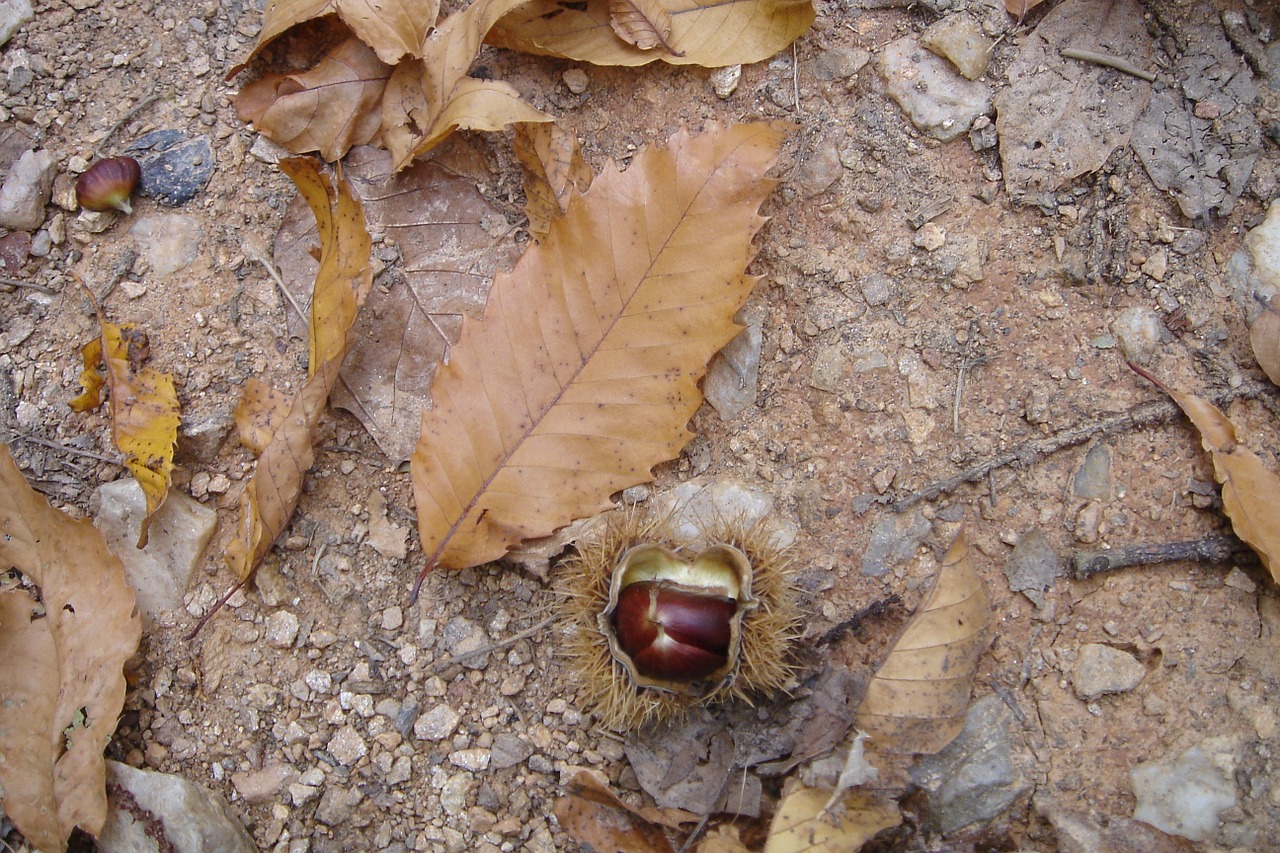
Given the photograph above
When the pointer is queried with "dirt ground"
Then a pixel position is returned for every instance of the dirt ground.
(936, 372)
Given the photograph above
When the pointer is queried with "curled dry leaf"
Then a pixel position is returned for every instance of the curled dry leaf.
(144, 408)
(1250, 491)
(553, 167)
(342, 283)
(917, 700)
(804, 824)
(599, 821)
(1264, 335)
(393, 30)
(62, 668)
(583, 373)
(643, 23)
(703, 32)
(329, 109)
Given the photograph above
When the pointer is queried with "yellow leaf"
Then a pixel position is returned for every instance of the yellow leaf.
(917, 700)
(703, 32)
(583, 373)
(144, 408)
(62, 664)
(553, 166)
(1250, 490)
(342, 283)
(802, 823)
(643, 23)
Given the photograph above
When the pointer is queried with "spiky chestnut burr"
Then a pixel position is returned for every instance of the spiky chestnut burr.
(655, 625)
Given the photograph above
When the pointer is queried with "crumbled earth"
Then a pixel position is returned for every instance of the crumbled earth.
(916, 323)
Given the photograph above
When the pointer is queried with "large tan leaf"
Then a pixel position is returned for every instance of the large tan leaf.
(583, 373)
(61, 664)
(917, 700)
(443, 228)
(805, 824)
(328, 109)
(1264, 336)
(342, 283)
(393, 29)
(1250, 490)
(703, 32)
(144, 408)
(553, 166)
(426, 100)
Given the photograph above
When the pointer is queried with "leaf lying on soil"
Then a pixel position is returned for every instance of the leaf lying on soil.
(917, 700)
(144, 408)
(62, 666)
(583, 373)
(342, 283)
(804, 824)
(450, 247)
(703, 32)
(1264, 336)
(598, 820)
(1060, 118)
(553, 166)
(1250, 491)
(643, 23)
(392, 30)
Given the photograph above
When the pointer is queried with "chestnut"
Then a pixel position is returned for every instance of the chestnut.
(107, 184)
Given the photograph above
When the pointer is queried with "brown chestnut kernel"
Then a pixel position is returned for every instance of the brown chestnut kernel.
(108, 184)
(674, 634)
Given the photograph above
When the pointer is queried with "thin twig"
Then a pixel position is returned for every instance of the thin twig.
(137, 108)
(256, 252)
(1212, 549)
(30, 285)
(1109, 61)
(795, 76)
(441, 665)
(66, 448)
(205, 618)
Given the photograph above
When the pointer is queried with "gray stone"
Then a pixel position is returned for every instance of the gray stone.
(178, 534)
(475, 760)
(462, 636)
(1033, 566)
(337, 804)
(347, 746)
(1100, 669)
(1183, 797)
(508, 751)
(262, 786)
(174, 167)
(437, 724)
(937, 100)
(974, 778)
(877, 289)
(13, 14)
(1093, 478)
(282, 629)
(820, 169)
(840, 63)
(189, 816)
(453, 796)
(827, 373)
(1140, 332)
(893, 542)
(26, 191)
(732, 377)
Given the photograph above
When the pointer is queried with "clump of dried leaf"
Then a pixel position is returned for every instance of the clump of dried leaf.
(1250, 491)
(553, 167)
(144, 407)
(342, 283)
(594, 817)
(65, 642)
(616, 315)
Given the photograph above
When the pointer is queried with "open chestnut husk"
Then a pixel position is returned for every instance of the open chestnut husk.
(107, 184)
(656, 625)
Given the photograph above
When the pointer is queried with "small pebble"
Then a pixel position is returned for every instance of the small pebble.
(282, 629)
(575, 80)
(436, 724)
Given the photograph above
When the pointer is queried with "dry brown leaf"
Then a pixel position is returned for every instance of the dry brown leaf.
(393, 30)
(342, 283)
(62, 666)
(427, 100)
(643, 23)
(1250, 491)
(583, 373)
(596, 819)
(802, 823)
(917, 700)
(722, 839)
(553, 165)
(329, 109)
(144, 408)
(1264, 335)
(444, 230)
(1020, 8)
(703, 32)
(260, 412)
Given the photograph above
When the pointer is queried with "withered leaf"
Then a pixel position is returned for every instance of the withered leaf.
(598, 820)
(643, 23)
(917, 700)
(1264, 336)
(342, 283)
(1019, 8)
(62, 668)
(803, 824)
(583, 373)
(328, 109)
(553, 166)
(144, 408)
(703, 32)
(1250, 490)
(259, 413)
(393, 30)
(449, 252)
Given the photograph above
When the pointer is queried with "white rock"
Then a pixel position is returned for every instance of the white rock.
(347, 746)
(1182, 797)
(282, 629)
(1100, 669)
(1139, 332)
(939, 102)
(26, 191)
(13, 14)
(169, 241)
(189, 816)
(436, 724)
